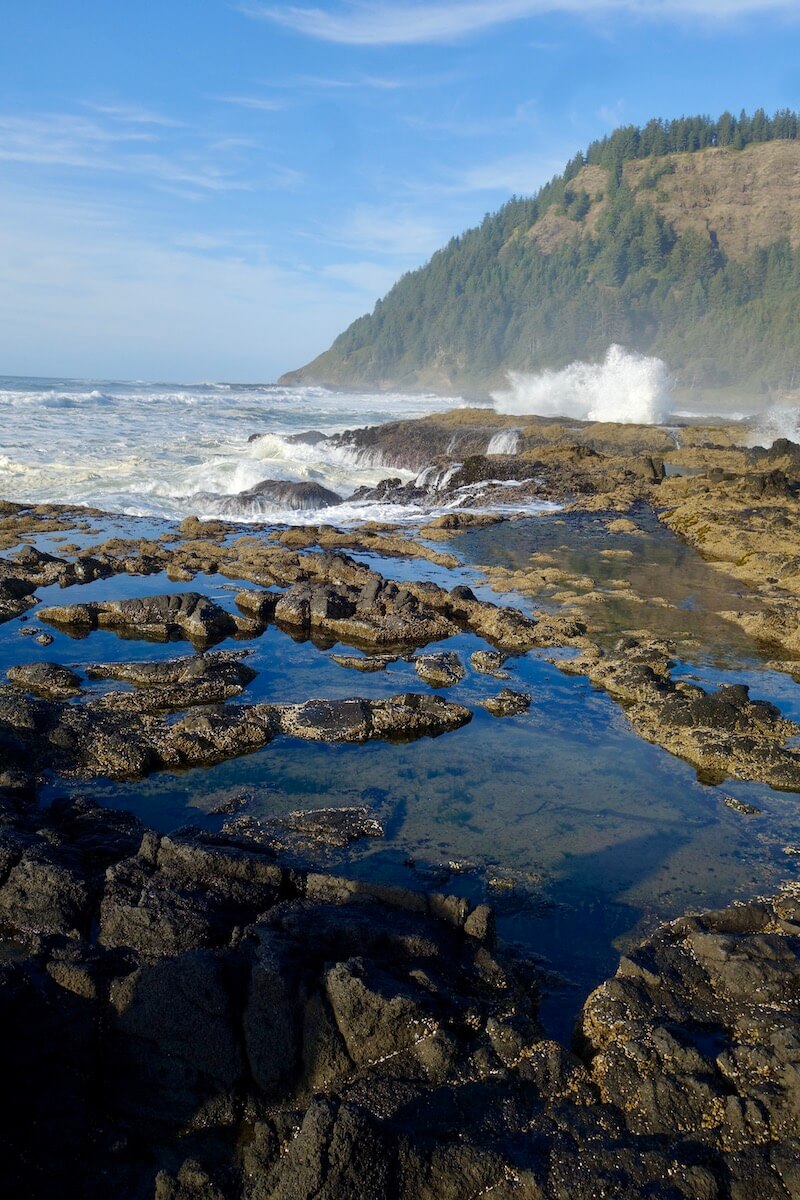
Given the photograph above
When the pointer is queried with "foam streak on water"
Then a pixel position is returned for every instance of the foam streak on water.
(169, 450)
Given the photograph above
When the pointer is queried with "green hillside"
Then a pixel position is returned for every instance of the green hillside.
(680, 239)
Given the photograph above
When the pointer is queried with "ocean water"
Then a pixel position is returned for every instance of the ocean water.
(173, 450)
(170, 450)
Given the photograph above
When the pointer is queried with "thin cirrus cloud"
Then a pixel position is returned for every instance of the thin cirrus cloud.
(116, 146)
(132, 114)
(369, 24)
(258, 103)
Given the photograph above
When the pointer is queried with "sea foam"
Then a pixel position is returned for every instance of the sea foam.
(625, 387)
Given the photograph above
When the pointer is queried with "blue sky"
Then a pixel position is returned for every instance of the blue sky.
(201, 189)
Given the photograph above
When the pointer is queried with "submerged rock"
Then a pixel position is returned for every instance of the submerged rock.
(365, 662)
(489, 662)
(306, 832)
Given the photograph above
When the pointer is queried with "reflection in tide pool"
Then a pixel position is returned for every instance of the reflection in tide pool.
(581, 834)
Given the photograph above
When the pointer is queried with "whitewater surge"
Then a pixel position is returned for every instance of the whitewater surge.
(165, 451)
(625, 387)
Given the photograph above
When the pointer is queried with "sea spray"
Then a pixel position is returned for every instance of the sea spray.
(625, 387)
(778, 421)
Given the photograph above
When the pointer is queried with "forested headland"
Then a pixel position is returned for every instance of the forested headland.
(680, 238)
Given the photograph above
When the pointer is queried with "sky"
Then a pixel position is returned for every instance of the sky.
(211, 189)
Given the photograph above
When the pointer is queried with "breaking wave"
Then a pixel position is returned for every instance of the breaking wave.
(625, 387)
(166, 451)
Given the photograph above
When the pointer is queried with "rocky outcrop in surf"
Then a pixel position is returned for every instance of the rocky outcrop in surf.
(268, 496)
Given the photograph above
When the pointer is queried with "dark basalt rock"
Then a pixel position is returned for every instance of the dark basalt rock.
(441, 670)
(782, 453)
(245, 1028)
(177, 683)
(375, 613)
(508, 703)
(399, 718)
(272, 494)
(186, 614)
(51, 680)
(126, 735)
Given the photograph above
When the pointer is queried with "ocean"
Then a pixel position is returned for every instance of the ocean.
(170, 450)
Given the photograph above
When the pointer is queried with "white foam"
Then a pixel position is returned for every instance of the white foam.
(625, 387)
(147, 449)
(505, 442)
(779, 421)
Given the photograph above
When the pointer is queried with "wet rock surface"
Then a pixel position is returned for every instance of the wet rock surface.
(441, 670)
(508, 703)
(200, 1015)
(129, 735)
(272, 494)
(489, 662)
(187, 615)
(51, 680)
(723, 733)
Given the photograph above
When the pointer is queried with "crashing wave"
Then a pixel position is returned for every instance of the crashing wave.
(625, 387)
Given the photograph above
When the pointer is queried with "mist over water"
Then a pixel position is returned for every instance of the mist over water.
(778, 421)
(625, 387)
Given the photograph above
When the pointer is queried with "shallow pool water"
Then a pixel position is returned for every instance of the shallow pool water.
(582, 835)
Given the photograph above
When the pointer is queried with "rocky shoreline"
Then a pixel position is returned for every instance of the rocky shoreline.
(222, 1015)
(197, 1016)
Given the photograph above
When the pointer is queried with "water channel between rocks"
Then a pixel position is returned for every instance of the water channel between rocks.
(580, 834)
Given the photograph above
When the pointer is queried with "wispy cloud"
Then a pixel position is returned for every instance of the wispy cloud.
(521, 174)
(87, 294)
(65, 140)
(259, 103)
(368, 24)
(132, 114)
(524, 114)
(373, 279)
(392, 231)
(611, 114)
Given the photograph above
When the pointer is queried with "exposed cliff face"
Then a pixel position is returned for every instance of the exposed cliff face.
(692, 256)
